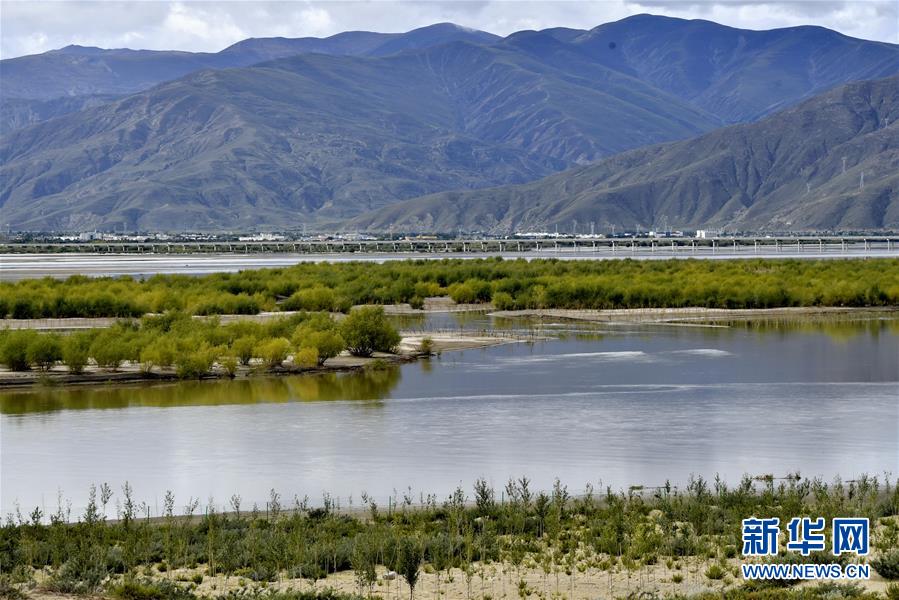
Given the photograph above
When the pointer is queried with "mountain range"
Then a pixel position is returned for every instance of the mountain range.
(830, 163)
(276, 132)
(41, 86)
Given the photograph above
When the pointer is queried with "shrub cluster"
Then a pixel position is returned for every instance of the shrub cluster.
(192, 346)
(509, 284)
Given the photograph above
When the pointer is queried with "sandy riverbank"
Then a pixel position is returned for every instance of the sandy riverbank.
(673, 315)
(435, 305)
(440, 305)
(407, 351)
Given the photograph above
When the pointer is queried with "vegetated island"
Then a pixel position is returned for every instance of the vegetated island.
(506, 284)
(177, 346)
(515, 542)
(171, 326)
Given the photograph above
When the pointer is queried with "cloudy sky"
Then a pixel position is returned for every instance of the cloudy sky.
(32, 26)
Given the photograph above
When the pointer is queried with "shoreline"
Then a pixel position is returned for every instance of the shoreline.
(132, 374)
(688, 314)
(408, 347)
(658, 315)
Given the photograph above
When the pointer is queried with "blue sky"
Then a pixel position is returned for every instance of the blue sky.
(32, 26)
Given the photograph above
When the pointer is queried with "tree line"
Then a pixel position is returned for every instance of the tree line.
(508, 284)
(193, 346)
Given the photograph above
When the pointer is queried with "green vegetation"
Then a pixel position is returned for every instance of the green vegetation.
(508, 284)
(694, 530)
(366, 331)
(194, 346)
(887, 565)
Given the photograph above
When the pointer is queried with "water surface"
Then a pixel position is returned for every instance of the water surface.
(613, 405)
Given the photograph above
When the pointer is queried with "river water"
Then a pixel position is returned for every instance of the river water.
(14, 267)
(615, 405)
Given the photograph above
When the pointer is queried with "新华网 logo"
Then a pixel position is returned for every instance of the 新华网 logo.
(761, 538)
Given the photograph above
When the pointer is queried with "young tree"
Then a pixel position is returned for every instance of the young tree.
(363, 562)
(408, 562)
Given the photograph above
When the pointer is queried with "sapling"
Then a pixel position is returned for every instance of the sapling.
(408, 562)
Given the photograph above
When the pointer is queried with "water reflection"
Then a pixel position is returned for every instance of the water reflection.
(369, 384)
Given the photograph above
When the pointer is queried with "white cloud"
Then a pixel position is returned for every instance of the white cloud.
(195, 25)
(32, 26)
(317, 20)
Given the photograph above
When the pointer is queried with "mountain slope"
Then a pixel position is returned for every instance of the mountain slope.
(42, 86)
(16, 113)
(357, 121)
(317, 137)
(78, 70)
(736, 74)
(783, 172)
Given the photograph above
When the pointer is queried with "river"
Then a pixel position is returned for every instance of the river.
(15, 267)
(615, 405)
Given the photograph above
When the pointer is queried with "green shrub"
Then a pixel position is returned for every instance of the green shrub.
(14, 348)
(76, 351)
(470, 292)
(274, 351)
(109, 349)
(160, 352)
(887, 564)
(427, 289)
(503, 301)
(715, 571)
(195, 362)
(892, 591)
(306, 358)
(312, 299)
(81, 573)
(366, 330)
(426, 346)
(8, 590)
(243, 349)
(134, 589)
(327, 344)
(229, 364)
(44, 350)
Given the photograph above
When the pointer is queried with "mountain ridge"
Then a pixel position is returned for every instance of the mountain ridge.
(329, 137)
(783, 172)
(319, 138)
